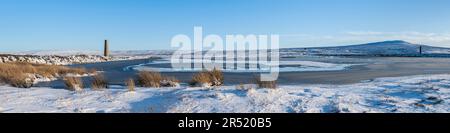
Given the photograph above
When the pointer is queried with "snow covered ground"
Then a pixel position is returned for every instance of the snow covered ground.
(425, 93)
(67, 60)
(394, 47)
(67, 57)
(91, 52)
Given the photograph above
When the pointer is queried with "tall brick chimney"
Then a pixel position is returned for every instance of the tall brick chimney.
(420, 49)
(106, 50)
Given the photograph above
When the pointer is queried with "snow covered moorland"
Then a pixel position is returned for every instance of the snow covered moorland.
(58, 57)
(425, 93)
(53, 59)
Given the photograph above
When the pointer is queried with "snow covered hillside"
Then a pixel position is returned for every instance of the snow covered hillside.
(66, 57)
(426, 93)
(120, 53)
(396, 47)
(53, 59)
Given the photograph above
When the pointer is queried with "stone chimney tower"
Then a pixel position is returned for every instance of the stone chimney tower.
(106, 50)
(420, 49)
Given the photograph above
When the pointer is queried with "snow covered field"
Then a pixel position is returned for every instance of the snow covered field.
(68, 57)
(426, 93)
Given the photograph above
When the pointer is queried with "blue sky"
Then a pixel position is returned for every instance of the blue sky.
(150, 24)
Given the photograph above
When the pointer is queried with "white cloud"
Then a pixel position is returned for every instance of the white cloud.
(359, 33)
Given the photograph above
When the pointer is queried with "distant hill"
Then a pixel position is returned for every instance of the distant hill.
(91, 52)
(385, 48)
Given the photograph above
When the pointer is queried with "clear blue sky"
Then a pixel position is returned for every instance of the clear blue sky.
(150, 24)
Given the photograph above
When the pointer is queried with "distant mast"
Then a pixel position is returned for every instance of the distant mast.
(420, 49)
(106, 49)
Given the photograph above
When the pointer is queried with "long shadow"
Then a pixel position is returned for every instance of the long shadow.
(158, 103)
(161, 102)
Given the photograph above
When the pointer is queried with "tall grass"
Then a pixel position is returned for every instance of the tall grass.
(130, 84)
(155, 79)
(265, 84)
(208, 78)
(200, 78)
(149, 79)
(17, 74)
(20, 81)
(99, 82)
(73, 83)
(169, 82)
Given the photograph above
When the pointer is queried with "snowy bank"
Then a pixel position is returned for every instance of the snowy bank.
(426, 93)
(53, 59)
(67, 60)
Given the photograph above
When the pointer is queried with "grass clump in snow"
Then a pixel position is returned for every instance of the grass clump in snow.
(99, 82)
(73, 83)
(130, 84)
(149, 79)
(170, 82)
(155, 79)
(23, 74)
(245, 87)
(265, 84)
(20, 81)
(208, 78)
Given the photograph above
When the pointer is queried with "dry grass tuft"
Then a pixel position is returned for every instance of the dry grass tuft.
(200, 78)
(217, 76)
(169, 82)
(265, 84)
(17, 73)
(130, 84)
(73, 83)
(149, 79)
(99, 82)
(155, 79)
(208, 78)
(20, 81)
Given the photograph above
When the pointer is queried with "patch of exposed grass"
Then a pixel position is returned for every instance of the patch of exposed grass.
(20, 81)
(208, 78)
(99, 82)
(73, 83)
(149, 79)
(265, 84)
(17, 74)
(155, 79)
(130, 84)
